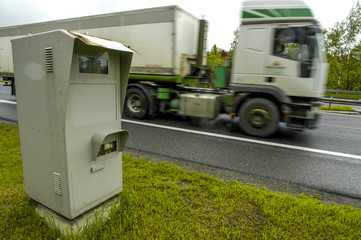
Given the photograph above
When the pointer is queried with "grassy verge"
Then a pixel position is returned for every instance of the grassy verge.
(338, 108)
(161, 201)
(343, 95)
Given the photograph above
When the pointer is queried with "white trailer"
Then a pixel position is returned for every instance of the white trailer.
(277, 73)
(166, 38)
(6, 58)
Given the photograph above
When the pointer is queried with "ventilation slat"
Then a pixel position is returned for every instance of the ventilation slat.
(57, 183)
(49, 67)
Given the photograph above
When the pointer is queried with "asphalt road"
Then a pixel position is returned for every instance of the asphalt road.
(327, 159)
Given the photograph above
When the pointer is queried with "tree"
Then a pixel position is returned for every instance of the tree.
(343, 46)
(234, 43)
(214, 57)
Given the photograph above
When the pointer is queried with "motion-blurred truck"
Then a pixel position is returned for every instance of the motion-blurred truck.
(277, 73)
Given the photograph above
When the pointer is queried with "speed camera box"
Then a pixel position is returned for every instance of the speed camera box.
(70, 95)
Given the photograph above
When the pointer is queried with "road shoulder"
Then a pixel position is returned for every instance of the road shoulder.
(272, 185)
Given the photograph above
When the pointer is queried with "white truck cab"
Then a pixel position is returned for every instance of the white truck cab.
(279, 57)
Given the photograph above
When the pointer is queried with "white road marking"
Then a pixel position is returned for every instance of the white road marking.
(9, 102)
(280, 145)
(305, 149)
(338, 126)
(342, 115)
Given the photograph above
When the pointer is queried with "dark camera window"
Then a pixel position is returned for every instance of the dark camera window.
(93, 65)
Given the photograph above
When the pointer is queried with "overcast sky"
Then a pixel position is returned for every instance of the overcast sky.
(223, 16)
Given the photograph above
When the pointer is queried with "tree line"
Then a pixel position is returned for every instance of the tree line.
(343, 49)
(342, 44)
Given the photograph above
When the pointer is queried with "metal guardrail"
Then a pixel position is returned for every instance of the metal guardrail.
(341, 101)
(342, 91)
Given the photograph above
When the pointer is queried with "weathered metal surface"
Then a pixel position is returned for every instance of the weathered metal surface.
(101, 42)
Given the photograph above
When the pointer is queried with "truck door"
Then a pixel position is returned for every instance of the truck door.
(289, 66)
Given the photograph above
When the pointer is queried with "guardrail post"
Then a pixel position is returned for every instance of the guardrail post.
(329, 105)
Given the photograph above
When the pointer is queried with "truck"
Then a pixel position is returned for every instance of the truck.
(277, 73)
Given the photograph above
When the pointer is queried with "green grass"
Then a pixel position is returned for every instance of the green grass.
(17, 218)
(162, 201)
(343, 95)
(338, 108)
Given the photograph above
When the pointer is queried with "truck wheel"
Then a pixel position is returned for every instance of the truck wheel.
(136, 103)
(259, 117)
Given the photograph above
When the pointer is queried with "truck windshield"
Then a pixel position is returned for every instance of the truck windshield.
(298, 44)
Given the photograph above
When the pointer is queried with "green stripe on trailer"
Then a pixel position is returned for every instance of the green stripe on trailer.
(295, 12)
(157, 78)
(266, 12)
(277, 13)
(250, 15)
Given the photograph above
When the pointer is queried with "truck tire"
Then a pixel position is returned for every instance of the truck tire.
(136, 103)
(259, 117)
